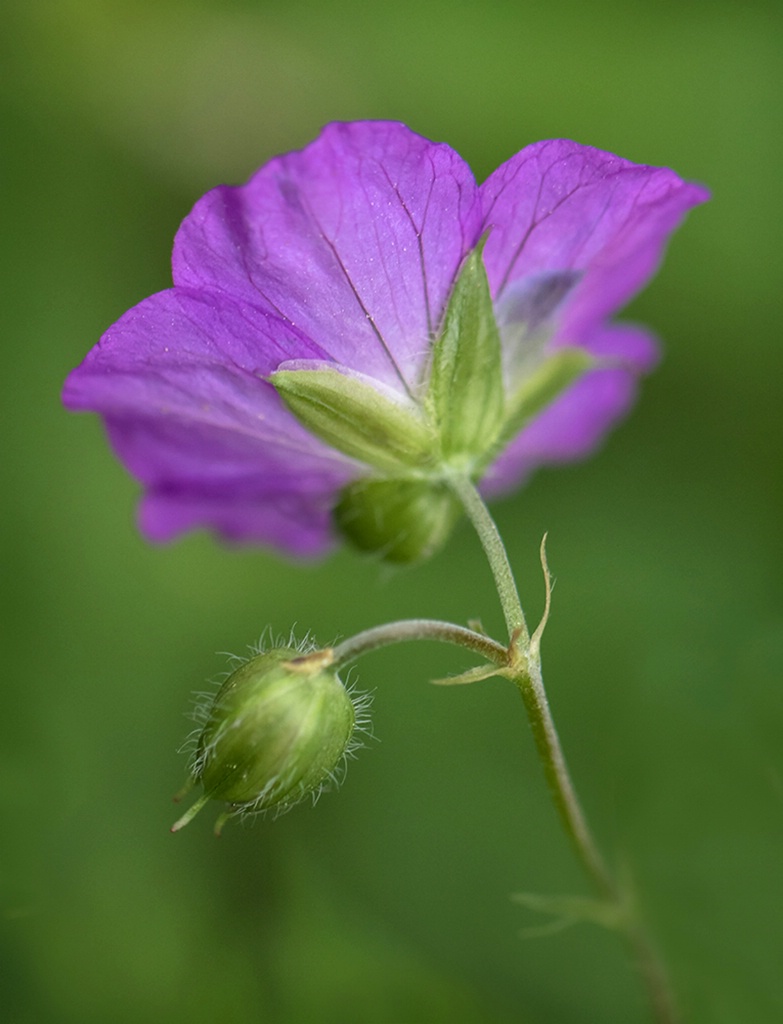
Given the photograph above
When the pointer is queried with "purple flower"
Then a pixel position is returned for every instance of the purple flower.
(345, 254)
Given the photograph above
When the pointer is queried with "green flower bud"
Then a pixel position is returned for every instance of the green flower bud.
(402, 521)
(278, 729)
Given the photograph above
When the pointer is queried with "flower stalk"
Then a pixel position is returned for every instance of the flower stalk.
(524, 669)
(520, 662)
(418, 629)
(495, 550)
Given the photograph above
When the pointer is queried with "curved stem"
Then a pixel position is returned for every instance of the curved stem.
(418, 629)
(653, 974)
(495, 550)
(524, 668)
(649, 964)
(531, 685)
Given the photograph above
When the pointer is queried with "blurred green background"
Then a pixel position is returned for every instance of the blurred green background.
(389, 903)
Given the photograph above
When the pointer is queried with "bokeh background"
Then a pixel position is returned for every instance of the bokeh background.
(389, 903)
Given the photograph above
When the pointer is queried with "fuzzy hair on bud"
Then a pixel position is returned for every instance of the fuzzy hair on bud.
(279, 729)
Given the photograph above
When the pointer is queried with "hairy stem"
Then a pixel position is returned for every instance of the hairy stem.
(495, 550)
(418, 629)
(524, 669)
(531, 685)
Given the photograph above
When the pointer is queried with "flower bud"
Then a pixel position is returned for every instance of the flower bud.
(277, 730)
(402, 521)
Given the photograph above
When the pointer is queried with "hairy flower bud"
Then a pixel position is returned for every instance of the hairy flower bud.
(278, 730)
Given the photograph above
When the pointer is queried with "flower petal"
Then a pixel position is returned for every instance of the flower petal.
(179, 385)
(355, 239)
(575, 423)
(557, 206)
(299, 524)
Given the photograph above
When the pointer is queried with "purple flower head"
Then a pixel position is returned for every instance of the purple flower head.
(346, 262)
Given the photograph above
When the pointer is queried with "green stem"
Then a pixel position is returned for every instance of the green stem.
(495, 550)
(418, 629)
(524, 668)
(531, 685)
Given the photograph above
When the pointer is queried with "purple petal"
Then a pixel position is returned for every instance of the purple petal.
(575, 423)
(356, 240)
(557, 206)
(178, 382)
(631, 347)
(298, 523)
(532, 301)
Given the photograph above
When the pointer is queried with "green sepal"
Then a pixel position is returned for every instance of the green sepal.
(356, 418)
(402, 521)
(541, 387)
(473, 675)
(465, 397)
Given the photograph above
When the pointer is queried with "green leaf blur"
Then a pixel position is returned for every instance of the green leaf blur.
(390, 901)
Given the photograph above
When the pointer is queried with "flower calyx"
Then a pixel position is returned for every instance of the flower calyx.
(356, 417)
(465, 397)
(454, 423)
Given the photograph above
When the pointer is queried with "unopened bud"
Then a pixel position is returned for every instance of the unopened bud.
(278, 729)
(403, 521)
